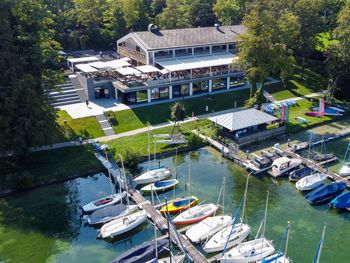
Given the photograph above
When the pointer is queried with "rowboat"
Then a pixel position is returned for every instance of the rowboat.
(122, 225)
(345, 170)
(341, 201)
(152, 176)
(195, 214)
(180, 204)
(110, 213)
(103, 202)
(207, 228)
(160, 186)
(325, 192)
(231, 236)
(311, 182)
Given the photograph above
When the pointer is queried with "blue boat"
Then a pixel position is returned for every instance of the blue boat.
(341, 201)
(325, 192)
(296, 175)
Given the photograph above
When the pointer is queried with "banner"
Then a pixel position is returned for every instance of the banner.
(287, 114)
(283, 114)
(321, 107)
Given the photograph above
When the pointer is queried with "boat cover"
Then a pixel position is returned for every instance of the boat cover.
(325, 192)
(263, 162)
(100, 216)
(323, 157)
(300, 173)
(164, 183)
(144, 252)
(341, 201)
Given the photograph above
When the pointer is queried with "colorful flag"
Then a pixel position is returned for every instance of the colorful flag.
(321, 107)
(283, 114)
(287, 114)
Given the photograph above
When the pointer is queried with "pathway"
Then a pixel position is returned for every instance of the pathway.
(105, 125)
(270, 98)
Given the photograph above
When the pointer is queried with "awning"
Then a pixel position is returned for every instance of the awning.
(125, 59)
(85, 68)
(83, 60)
(128, 71)
(193, 62)
(147, 69)
(112, 64)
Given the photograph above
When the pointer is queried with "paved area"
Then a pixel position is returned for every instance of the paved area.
(105, 125)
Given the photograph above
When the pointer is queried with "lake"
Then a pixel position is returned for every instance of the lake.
(45, 224)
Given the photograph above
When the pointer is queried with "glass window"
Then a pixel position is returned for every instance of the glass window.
(155, 94)
(141, 96)
(237, 81)
(232, 48)
(129, 98)
(218, 84)
(183, 52)
(181, 90)
(185, 89)
(200, 87)
(164, 93)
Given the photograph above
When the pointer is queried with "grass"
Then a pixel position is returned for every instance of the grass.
(47, 166)
(127, 120)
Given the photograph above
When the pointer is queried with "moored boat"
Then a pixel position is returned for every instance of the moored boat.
(160, 186)
(283, 165)
(323, 157)
(180, 204)
(296, 175)
(345, 170)
(103, 202)
(195, 214)
(207, 228)
(122, 225)
(110, 213)
(325, 192)
(154, 175)
(276, 258)
(341, 201)
(311, 182)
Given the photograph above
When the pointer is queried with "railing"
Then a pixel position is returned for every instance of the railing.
(132, 54)
(260, 135)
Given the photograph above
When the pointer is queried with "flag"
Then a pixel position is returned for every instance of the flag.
(321, 107)
(287, 114)
(283, 114)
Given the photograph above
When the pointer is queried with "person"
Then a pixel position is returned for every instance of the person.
(80, 139)
(87, 103)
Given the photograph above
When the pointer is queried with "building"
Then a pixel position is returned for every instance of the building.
(166, 64)
(247, 126)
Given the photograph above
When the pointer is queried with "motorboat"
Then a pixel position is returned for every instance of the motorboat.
(195, 214)
(207, 228)
(311, 182)
(179, 205)
(231, 236)
(283, 165)
(296, 175)
(276, 258)
(160, 186)
(110, 213)
(323, 157)
(152, 176)
(103, 202)
(345, 170)
(122, 225)
(250, 251)
(341, 201)
(144, 252)
(325, 192)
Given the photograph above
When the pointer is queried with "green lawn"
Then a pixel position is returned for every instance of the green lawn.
(47, 166)
(127, 120)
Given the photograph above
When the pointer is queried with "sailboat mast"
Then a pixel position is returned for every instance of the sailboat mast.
(155, 150)
(245, 198)
(321, 245)
(189, 178)
(223, 196)
(167, 219)
(265, 216)
(287, 241)
(149, 147)
(155, 230)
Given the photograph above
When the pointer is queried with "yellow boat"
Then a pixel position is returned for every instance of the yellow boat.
(180, 204)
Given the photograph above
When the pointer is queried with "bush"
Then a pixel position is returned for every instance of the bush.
(194, 140)
(111, 117)
(131, 158)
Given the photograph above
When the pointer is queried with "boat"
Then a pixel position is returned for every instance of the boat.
(325, 192)
(342, 201)
(301, 120)
(250, 251)
(300, 173)
(311, 182)
(195, 214)
(160, 186)
(103, 202)
(317, 255)
(154, 175)
(122, 225)
(180, 204)
(207, 228)
(144, 252)
(276, 258)
(283, 165)
(329, 111)
(312, 113)
(174, 259)
(323, 157)
(109, 213)
(345, 170)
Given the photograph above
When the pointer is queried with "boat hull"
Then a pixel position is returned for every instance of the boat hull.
(98, 204)
(341, 201)
(345, 170)
(180, 205)
(152, 176)
(112, 212)
(195, 214)
(311, 182)
(160, 186)
(325, 193)
(296, 175)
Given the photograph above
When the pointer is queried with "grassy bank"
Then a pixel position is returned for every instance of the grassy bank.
(47, 166)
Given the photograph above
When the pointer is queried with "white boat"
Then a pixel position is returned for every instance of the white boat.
(345, 170)
(122, 225)
(160, 186)
(311, 182)
(195, 214)
(275, 258)
(208, 227)
(283, 165)
(250, 251)
(103, 202)
(174, 259)
(217, 242)
(152, 176)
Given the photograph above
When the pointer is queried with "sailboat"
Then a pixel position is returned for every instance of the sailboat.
(109, 213)
(250, 251)
(345, 169)
(160, 186)
(195, 214)
(152, 175)
(231, 235)
(317, 255)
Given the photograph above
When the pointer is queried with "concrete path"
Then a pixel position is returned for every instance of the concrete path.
(105, 125)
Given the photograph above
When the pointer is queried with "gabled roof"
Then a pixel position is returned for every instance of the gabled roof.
(242, 119)
(187, 37)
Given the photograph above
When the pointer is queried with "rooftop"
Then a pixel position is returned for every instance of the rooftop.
(242, 119)
(188, 36)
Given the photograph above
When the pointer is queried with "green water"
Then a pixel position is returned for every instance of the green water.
(44, 225)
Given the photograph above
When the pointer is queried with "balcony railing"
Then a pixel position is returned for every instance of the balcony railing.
(132, 54)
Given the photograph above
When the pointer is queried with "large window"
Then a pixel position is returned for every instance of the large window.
(164, 54)
(237, 81)
(164, 93)
(183, 52)
(201, 50)
(155, 94)
(232, 48)
(141, 96)
(200, 87)
(218, 84)
(129, 98)
(219, 48)
(181, 90)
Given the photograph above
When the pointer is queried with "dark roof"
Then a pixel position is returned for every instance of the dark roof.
(188, 36)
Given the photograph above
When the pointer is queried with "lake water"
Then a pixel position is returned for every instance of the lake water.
(44, 225)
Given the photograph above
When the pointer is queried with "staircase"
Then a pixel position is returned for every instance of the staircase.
(64, 95)
(104, 123)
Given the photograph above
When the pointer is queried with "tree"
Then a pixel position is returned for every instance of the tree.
(201, 13)
(157, 7)
(230, 12)
(135, 14)
(175, 15)
(178, 113)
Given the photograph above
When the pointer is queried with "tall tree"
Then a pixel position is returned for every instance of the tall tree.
(175, 15)
(230, 12)
(136, 14)
(201, 13)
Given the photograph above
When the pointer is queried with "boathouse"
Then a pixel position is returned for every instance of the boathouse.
(248, 126)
